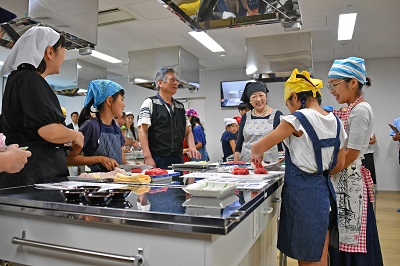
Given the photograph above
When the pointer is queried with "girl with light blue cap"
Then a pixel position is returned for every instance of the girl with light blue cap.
(358, 235)
(103, 145)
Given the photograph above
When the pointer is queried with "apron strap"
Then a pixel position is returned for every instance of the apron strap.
(336, 144)
(314, 138)
(323, 143)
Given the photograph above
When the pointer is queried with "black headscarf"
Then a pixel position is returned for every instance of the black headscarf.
(252, 87)
(6, 15)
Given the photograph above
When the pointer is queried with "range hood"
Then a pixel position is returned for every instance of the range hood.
(74, 77)
(273, 58)
(76, 19)
(143, 66)
(213, 14)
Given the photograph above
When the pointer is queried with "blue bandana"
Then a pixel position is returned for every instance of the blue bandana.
(352, 67)
(99, 90)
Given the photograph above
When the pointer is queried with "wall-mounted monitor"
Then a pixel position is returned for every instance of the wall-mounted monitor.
(231, 92)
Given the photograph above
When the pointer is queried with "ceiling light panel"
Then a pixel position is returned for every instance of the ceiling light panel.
(346, 26)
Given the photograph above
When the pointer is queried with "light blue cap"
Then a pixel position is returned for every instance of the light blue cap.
(352, 67)
(99, 90)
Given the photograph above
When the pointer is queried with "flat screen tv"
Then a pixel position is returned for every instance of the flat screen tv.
(231, 92)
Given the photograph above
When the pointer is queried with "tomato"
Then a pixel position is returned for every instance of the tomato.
(260, 171)
(156, 172)
(240, 171)
(136, 170)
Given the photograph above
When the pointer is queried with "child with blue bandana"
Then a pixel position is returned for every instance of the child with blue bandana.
(103, 144)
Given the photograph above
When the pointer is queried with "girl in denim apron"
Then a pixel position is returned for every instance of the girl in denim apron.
(314, 141)
(103, 145)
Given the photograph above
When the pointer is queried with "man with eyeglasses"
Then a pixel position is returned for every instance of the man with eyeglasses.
(163, 124)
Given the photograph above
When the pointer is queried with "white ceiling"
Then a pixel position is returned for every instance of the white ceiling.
(376, 34)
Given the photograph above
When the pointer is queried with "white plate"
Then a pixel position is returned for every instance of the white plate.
(196, 163)
(211, 189)
(239, 164)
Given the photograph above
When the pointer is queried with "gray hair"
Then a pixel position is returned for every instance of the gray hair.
(161, 74)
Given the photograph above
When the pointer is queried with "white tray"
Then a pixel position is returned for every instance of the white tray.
(211, 189)
(203, 202)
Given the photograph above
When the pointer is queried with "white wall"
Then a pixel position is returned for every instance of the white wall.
(71, 104)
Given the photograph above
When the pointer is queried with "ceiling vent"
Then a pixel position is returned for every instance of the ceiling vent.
(273, 58)
(114, 16)
(74, 77)
(143, 66)
(76, 19)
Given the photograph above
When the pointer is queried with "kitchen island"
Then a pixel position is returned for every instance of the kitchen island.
(170, 228)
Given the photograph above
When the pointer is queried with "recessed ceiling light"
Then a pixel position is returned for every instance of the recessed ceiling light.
(251, 70)
(139, 80)
(207, 41)
(346, 26)
(105, 57)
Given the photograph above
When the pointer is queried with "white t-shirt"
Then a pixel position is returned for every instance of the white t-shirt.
(301, 148)
(145, 113)
(359, 127)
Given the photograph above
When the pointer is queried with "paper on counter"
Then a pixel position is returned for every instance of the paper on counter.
(271, 174)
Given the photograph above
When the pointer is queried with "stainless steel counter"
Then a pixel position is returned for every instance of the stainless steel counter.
(164, 226)
(166, 210)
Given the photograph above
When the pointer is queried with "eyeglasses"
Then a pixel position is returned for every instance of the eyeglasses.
(331, 87)
(172, 80)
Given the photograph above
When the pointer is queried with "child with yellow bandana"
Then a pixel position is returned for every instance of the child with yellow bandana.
(314, 141)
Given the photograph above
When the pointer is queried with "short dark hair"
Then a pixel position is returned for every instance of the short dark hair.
(60, 43)
(307, 94)
(74, 113)
(243, 106)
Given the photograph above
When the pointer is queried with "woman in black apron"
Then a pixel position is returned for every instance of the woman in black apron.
(314, 141)
(31, 112)
(103, 147)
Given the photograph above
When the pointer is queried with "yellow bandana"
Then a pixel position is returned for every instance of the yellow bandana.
(300, 82)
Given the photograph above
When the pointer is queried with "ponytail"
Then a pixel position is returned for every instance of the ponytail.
(85, 113)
